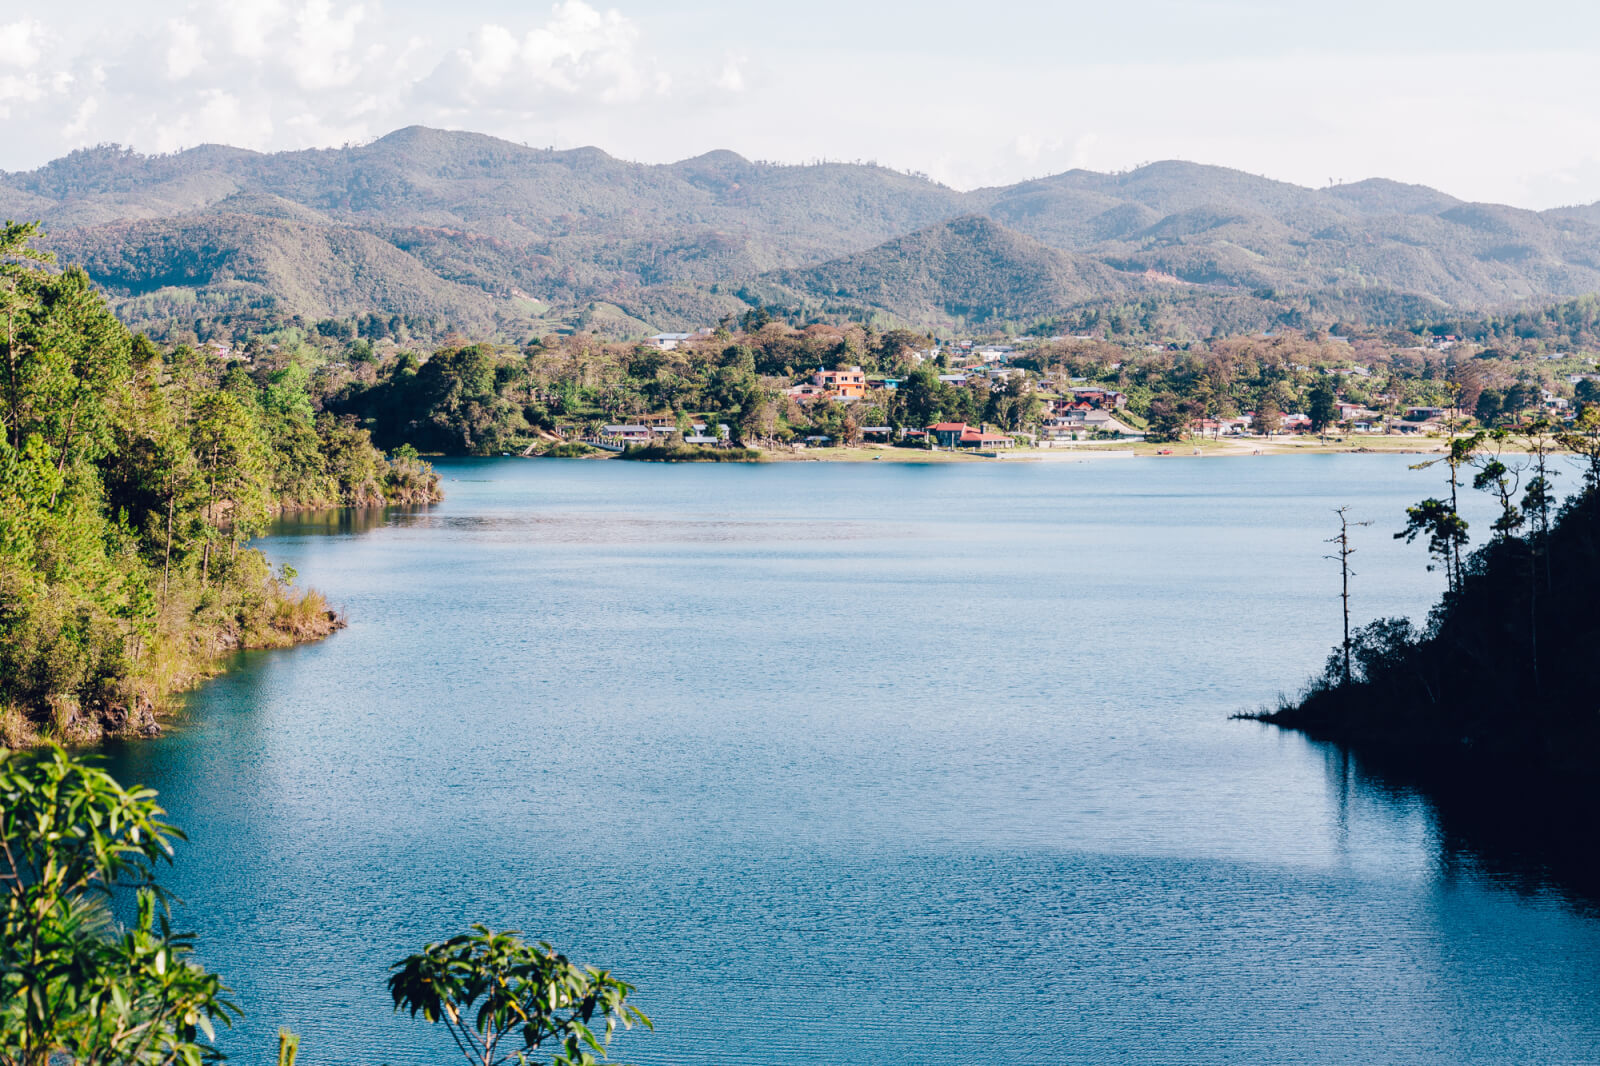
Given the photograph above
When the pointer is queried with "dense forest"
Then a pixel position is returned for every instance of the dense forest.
(1502, 667)
(132, 479)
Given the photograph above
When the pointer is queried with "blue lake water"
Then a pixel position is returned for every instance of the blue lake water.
(862, 763)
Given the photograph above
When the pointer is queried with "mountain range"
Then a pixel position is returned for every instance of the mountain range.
(482, 234)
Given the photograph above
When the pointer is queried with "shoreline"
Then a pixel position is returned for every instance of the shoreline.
(1087, 451)
(192, 656)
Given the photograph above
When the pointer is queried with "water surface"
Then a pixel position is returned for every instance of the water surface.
(862, 763)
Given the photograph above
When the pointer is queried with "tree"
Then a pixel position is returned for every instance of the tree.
(503, 1000)
(1447, 534)
(919, 397)
(1169, 418)
(1582, 439)
(1496, 477)
(1322, 407)
(232, 465)
(74, 987)
(1452, 533)
(1342, 554)
(1539, 498)
(1269, 415)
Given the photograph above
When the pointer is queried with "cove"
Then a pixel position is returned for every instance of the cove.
(848, 763)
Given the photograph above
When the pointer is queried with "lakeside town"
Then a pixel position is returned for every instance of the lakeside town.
(825, 391)
(1350, 406)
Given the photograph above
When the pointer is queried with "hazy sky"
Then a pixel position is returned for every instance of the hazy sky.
(1487, 100)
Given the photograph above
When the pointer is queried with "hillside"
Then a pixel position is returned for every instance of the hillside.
(971, 270)
(469, 229)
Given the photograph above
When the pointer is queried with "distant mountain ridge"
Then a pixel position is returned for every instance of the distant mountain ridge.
(484, 233)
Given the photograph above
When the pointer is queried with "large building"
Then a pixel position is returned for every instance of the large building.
(847, 384)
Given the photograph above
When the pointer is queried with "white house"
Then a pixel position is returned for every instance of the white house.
(666, 342)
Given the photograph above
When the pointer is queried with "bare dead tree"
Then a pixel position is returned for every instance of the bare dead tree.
(1342, 554)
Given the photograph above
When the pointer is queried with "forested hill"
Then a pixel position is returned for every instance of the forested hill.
(466, 231)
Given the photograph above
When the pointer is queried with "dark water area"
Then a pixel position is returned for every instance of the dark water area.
(1511, 825)
(872, 763)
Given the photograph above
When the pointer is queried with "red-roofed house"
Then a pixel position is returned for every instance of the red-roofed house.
(976, 439)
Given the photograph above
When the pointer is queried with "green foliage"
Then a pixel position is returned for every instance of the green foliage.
(569, 450)
(288, 1047)
(74, 987)
(1446, 531)
(503, 1000)
(1322, 405)
(688, 453)
(1502, 668)
(131, 481)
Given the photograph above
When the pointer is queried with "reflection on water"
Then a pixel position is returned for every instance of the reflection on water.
(1520, 831)
(338, 521)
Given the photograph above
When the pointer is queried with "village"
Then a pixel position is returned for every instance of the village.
(1075, 414)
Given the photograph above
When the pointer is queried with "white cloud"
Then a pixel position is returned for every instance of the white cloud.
(20, 43)
(81, 118)
(273, 74)
(580, 52)
(321, 57)
(250, 24)
(184, 56)
(731, 79)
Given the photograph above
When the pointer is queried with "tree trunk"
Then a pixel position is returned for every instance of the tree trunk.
(166, 560)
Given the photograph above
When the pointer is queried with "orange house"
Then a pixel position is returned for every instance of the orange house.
(849, 383)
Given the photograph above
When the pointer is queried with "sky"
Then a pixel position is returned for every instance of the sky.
(1483, 99)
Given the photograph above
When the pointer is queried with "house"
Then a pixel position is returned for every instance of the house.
(973, 438)
(953, 379)
(847, 384)
(1423, 414)
(1221, 427)
(628, 434)
(1352, 411)
(697, 434)
(1105, 422)
(1100, 397)
(1065, 427)
(805, 392)
(666, 342)
(948, 434)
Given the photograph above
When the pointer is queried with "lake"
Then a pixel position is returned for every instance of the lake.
(863, 763)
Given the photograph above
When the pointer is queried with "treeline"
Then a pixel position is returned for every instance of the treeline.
(1572, 323)
(480, 398)
(132, 479)
(1503, 665)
